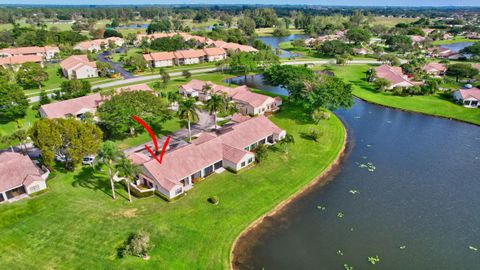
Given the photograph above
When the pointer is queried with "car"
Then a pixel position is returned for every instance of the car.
(88, 160)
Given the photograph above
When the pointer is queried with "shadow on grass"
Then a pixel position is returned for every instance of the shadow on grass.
(88, 178)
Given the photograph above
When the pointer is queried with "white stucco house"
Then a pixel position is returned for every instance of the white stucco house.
(79, 67)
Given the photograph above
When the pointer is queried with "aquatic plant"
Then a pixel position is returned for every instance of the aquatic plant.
(374, 260)
(369, 145)
(347, 267)
(403, 247)
(340, 214)
(321, 207)
(339, 252)
(472, 248)
(369, 166)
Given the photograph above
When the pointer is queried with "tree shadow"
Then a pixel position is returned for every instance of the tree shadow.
(88, 178)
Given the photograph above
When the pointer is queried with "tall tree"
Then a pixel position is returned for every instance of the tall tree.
(109, 155)
(129, 171)
(187, 109)
(215, 104)
(13, 102)
(461, 70)
(242, 61)
(31, 75)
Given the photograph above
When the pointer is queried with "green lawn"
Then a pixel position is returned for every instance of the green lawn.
(454, 40)
(268, 31)
(12, 126)
(438, 104)
(76, 224)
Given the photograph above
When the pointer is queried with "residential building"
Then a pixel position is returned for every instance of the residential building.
(98, 45)
(76, 107)
(228, 148)
(215, 54)
(247, 102)
(394, 75)
(79, 67)
(235, 48)
(17, 60)
(469, 97)
(436, 69)
(20, 177)
(160, 59)
(47, 52)
(189, 57)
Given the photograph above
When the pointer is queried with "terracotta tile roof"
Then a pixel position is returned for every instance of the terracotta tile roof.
(238, 47)
(238, 118)
(138, 87)
(196, 85)
(392, 74)
(138, 158)
(20, 59)
(17, 169)
(85, 45)
(210, 148)
(28, 50)
(184, 54)
(214, 51)
(417, 39)
(251, 98)
(470, 93)
(434, 67)
(72, 106)
(159, 56)
(477, 66)
(77, 61)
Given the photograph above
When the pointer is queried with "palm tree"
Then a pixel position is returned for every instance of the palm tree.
(206, 89)
(214, 105)
(187, 109)
(109, 155)
(129, 171)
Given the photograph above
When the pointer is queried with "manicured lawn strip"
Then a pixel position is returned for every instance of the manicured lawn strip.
(77, 224)
(11, 127)
(437, 104)
(454, 40)
(266, 32)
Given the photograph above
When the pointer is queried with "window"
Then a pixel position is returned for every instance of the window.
(243, 164)
(217, 165)
(1, 197)
(250, 160)
(178, 191)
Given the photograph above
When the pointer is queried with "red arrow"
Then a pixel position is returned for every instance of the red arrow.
(154, 139)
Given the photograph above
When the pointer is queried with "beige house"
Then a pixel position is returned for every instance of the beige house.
(79, 67)
(469, 98)
(47, 52)
(394, 75)
(20, 177)
(189, 57)
(436, 69)
(17, 60)
(98, 45)
(229, 148)
(76, 107)
(215, 54)
(247, 102)
(160, 59)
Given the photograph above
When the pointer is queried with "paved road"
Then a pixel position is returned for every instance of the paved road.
(102, 57)
(140, 79)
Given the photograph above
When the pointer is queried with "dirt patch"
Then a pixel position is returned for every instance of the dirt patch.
(130, 213)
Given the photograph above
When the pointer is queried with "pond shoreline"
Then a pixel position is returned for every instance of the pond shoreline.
(320, 179)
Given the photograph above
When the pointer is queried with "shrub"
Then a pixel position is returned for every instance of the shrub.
(314, 134)
(137, 245)
(214, 200)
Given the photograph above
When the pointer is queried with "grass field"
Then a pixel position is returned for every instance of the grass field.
(76, 224)
(391, 21)
(12, 126)
(265, 32)
(437, 104)
(454, 40)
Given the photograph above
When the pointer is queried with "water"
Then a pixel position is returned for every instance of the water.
(456, 47)
(256, 81)
(423, 196)
(275, 41)
(134, 26)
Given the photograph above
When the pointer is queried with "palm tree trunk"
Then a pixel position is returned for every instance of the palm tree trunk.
(111, 180)
(128, 188)
(189, 131)
(215, 119)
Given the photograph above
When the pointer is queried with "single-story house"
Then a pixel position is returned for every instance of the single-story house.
(246, 101)
(76, 107)
(20, 177)
(17, 60)
(436, 69)
(97, 44)
(185, 36)
(394, 75)
(160, 59)
(228, 148)
(79, 67)
(48, 52)
(417, 39)
(235, 47)
(470, 98)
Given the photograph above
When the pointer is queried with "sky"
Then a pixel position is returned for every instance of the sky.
(435, 3)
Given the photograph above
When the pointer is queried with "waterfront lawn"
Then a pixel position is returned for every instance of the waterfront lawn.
(438, 104)
(76, 224)
(454, 40)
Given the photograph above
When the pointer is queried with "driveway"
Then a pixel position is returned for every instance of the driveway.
(102, 57)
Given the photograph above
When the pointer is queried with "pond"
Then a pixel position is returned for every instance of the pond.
(275, 42)
(407, 191)
(456, 47)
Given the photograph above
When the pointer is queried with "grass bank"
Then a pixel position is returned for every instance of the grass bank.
(437, 105)
(76, 224)
(454, 40)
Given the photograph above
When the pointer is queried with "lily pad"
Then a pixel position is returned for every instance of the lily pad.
(354, 191)
(321, 207)
(340, 214)
(403, 247)
(374, 260)
(472, 248)
(347, 267)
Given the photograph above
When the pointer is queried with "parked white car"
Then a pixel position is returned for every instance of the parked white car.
(88, 160)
